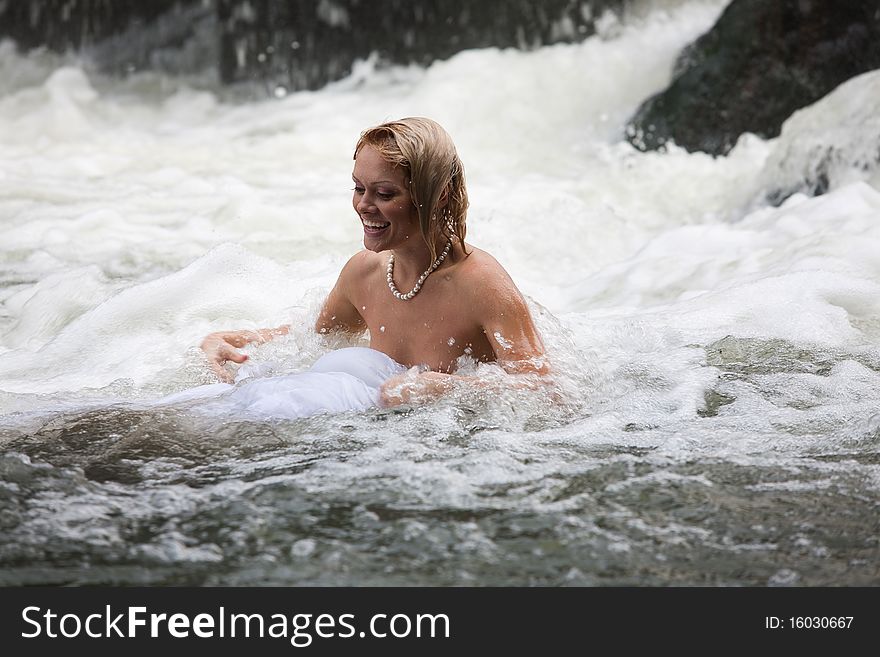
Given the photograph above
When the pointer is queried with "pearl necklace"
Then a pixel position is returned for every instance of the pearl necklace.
(409, 295)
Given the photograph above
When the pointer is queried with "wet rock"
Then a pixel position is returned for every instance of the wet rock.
(62, 25)
(291, 45)
(760, 62)
(834, 142)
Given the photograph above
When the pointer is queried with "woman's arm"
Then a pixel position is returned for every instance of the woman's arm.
(510, 329)
(337, 314)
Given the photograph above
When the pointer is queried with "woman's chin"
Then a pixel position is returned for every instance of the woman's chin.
(376, 240)
(371, 244)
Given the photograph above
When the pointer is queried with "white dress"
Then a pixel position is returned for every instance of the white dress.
(342, 380)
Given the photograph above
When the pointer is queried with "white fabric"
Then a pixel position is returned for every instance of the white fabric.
(342, 380)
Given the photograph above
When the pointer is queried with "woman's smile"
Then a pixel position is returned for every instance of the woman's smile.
(374, 227)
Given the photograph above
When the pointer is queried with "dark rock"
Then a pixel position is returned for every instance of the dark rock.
(63, 25)
(304, 44)
(759, 63)
(290, 44)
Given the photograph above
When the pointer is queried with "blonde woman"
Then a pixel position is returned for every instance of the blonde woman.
(426, 296)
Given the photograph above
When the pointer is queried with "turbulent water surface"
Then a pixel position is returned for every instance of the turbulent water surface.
(719, 354)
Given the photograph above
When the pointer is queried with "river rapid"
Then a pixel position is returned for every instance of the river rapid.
(719, 354)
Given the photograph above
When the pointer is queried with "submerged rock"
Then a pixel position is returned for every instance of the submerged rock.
(759, 63)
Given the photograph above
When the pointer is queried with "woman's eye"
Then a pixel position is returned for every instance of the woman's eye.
(385, 196)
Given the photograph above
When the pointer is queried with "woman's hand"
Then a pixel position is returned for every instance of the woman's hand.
(414, 386)
(419, 386)
(222, 347)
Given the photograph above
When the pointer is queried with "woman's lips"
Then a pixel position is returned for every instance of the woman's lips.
(373, 227)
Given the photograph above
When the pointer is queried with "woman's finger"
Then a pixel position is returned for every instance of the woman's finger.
(228, 353)
(221, 373)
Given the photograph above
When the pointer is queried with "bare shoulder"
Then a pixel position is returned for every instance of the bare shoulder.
(502, 313)
(360, 265)
(486, 287)
(483, 278)
(339, 311)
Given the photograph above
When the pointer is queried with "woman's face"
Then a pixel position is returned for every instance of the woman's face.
(382, 201)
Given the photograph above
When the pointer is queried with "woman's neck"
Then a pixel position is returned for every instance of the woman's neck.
(411, 261)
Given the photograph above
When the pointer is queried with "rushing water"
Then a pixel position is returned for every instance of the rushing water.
(720, 356)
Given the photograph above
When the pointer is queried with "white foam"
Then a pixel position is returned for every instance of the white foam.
(837, 139)
(140, 215)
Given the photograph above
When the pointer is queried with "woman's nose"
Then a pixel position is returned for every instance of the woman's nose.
(364, 204)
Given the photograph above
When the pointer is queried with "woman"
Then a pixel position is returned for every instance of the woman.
(426, 297)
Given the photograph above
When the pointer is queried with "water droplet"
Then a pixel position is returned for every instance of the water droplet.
(382, 329)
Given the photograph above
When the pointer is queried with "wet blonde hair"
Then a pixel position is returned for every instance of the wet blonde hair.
(426, 152)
